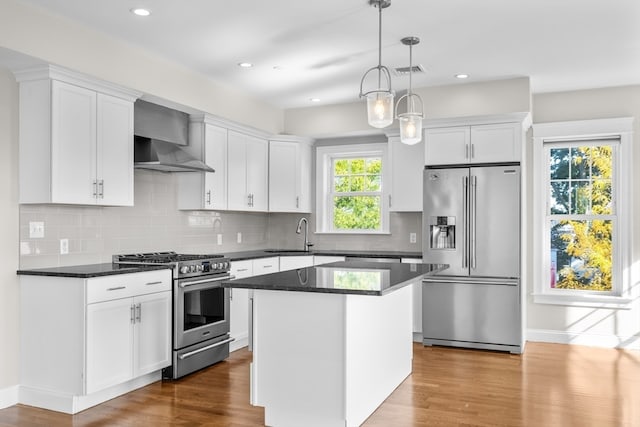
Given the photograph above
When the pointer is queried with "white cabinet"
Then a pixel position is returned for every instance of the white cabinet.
(289, 175)
(407, 165)
(247, 172)
(295, 262)
(266, 265)
(85, 341)
(326, 259)
(486, 143)
(205, 190)
(76, 140)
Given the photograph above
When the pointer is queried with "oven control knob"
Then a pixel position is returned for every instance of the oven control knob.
(184, 269)
(192, 268)
(225, 265)
(200, 267)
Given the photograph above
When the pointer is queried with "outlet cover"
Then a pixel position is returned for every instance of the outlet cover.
(219, 239)
(36, 229)
(239, 237)
(64, 246)
(412, 237)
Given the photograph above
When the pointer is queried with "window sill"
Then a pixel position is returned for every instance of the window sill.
(363, 233)
(593, 301)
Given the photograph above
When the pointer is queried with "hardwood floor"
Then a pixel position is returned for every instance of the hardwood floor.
(550, 385)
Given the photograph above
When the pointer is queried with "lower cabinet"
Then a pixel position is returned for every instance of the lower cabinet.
(127, 338)
(84, 341)
(295, 262)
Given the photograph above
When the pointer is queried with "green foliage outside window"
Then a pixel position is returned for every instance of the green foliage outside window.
(581, 187)
(357, 187)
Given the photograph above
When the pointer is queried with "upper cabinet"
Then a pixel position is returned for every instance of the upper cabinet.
(76, 139)
(247, 172)
(205, 190)
(289, 175)
(407, 164)
(476, 143)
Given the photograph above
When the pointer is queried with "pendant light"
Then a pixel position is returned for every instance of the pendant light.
(380, 100)
(411, 120)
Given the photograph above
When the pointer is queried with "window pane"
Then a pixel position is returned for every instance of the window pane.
(580, 197)
(601, 161)
(580, 163)
(373, 183)
(601, 197)
(581, 255)
(357, 165)
(356, 213)
(559, 202)
(357, 183)
(341, 167)
(559, 163)
(374, 166)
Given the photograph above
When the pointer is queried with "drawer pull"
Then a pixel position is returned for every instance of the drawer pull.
(117, 288)
(159, 282)
(243, 269)
(267, 266)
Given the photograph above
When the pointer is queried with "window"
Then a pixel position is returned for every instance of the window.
(351, 195)
(581, 212)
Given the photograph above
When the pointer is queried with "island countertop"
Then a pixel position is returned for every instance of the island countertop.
(345, 277)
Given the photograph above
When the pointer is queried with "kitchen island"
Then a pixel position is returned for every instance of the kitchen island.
(331, 342)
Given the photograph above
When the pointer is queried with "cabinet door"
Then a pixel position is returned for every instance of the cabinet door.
(109, 344)
(215, 155)
(407, 165)
(447, 146)
(152, 332)
(495, 143)
(283, 176)
(239, 326)
(295, 262)
(114, 151)
(73, 144)
(257, 173)
(304, 169)
(238, 196)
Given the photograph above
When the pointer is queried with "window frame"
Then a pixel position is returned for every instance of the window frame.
(325, 156)
(546, 136)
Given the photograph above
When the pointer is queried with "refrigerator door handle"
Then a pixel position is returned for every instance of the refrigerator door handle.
(465, 197)
(473, 220)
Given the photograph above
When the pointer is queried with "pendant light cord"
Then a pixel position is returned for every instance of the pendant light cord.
(379, 43)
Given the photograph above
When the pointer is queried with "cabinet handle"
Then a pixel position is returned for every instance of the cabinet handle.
(153, 283)
(242, 269)
(138, 312)
(117, 288)
(390, 204)
(132, 310)
(249, 200)
(209, 347)
(267, 266)
(473, 151)
(101, 188)
(95, 189)
(230, 294)
(297, 202)
(209, 197)
(466, 151)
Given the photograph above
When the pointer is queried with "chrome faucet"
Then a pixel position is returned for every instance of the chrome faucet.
(306, 232)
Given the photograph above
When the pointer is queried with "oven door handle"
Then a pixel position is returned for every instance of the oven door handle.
(198, 282)
(209, 347)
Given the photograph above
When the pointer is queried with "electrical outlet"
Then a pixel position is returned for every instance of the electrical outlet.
(64, 246)
(36, 229)
(412, 237)
(219, 239)
(239, 237)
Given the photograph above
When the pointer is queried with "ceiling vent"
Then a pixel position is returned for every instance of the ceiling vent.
(403, 71)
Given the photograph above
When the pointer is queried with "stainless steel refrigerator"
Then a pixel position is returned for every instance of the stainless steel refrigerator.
(471, 221)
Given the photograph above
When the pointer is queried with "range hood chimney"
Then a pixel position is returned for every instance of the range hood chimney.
(160, 135)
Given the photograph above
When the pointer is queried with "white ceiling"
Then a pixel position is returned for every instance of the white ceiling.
(320, 49)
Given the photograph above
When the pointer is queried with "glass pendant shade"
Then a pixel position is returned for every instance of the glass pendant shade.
(380, 109)
(410, 129)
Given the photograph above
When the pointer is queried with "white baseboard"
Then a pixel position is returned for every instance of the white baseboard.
(240, 342)
(630, 342)
(9, 396)
(70, 404)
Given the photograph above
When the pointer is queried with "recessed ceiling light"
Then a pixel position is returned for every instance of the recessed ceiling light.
(141, 12)
(245, 65)
(314, 99)
(462, 76)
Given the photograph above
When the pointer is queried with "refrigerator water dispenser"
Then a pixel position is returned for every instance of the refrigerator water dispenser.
(443, 232)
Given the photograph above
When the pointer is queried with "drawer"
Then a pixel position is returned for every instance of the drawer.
(266, 265)
(241, 269)
(127, 285)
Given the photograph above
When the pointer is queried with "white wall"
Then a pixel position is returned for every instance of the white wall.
(9, 291)
(603, 327)
(466, 99)
(57, 40)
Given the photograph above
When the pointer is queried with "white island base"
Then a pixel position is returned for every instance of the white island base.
(328, 359)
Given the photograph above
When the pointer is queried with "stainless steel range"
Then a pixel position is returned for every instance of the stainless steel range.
(200, 308)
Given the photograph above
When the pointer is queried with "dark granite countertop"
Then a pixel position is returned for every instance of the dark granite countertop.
(263, 253)
(345, 277)
(90, 270)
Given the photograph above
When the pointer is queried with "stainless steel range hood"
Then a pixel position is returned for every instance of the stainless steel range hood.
(160, 135)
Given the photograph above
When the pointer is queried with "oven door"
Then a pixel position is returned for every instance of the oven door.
(200, 311)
